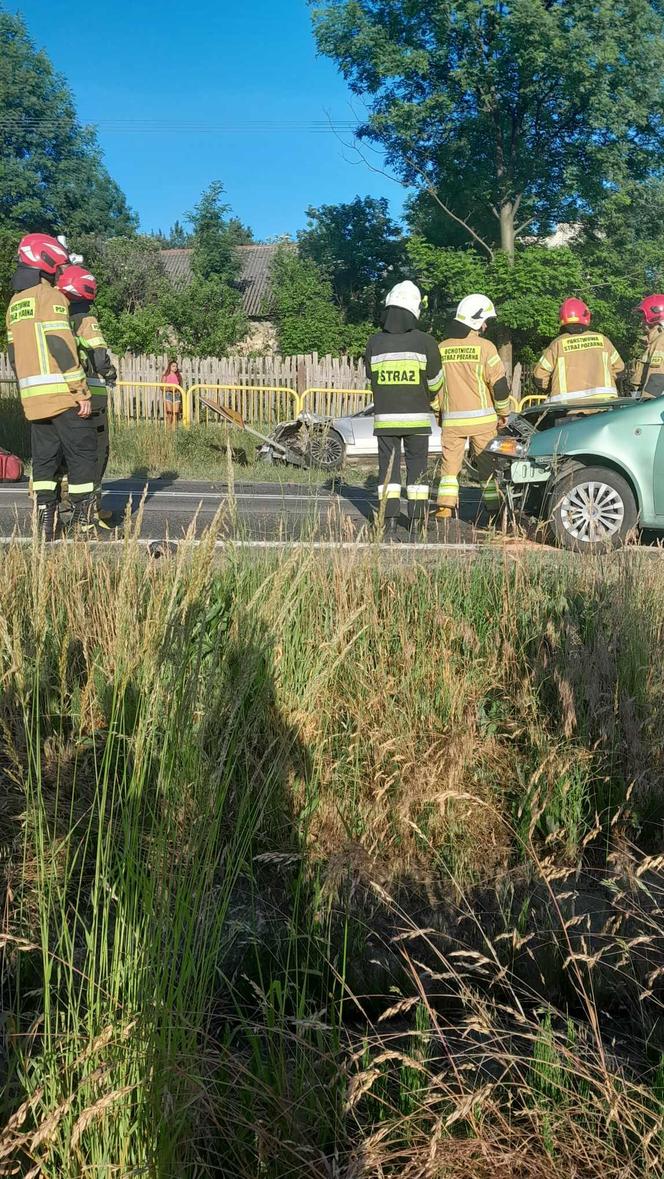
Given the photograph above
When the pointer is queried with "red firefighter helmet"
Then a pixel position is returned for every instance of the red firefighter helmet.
(77, 283)
(652, 309)
(42, 252)
(575, 311)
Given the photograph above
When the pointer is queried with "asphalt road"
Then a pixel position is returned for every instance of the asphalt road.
(258, 512)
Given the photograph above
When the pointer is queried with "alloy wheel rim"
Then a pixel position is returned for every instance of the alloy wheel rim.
(592, 512)
(325, 448)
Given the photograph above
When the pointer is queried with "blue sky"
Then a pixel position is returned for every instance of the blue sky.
(209, 63)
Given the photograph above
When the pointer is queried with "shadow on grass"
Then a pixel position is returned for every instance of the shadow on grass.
(161, 817)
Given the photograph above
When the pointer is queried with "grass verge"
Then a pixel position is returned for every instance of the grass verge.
(319, 869)
(152, 450)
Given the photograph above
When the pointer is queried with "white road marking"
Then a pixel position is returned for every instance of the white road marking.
(325, 545)
(198, 496)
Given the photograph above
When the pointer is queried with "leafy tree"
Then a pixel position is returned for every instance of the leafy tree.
(528, 111)
(129, 271)
(207, 318)
(598, 268)
(214, 238)
(177, 238)
(132, 290)
(623, 256)
(144, 332)
(140, 311)
(359, 247)
(303, 307)
(241, 234)
(51, 174)
(8, 243)
(527, 293)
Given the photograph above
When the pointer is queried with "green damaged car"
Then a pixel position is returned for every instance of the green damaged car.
(593, 477)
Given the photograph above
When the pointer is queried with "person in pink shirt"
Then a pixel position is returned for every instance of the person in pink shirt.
(172, 397)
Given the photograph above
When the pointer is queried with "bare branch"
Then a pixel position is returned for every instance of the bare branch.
(431, 189)
(427, 184)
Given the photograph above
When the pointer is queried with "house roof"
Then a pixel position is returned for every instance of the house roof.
(254, 278)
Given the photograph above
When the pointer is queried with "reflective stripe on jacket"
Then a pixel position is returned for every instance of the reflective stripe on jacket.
(43, 352)
(90, 340)
(579, 364)
(405, 374)
(472, 369)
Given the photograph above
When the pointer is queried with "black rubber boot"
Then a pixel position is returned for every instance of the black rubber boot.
(83, 522)
(103, 514)
(385, 529)
(490, 517)
(47, 520)
(417, 529)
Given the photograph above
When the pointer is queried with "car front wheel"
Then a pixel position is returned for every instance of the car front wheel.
(327, 449)
(592, 510)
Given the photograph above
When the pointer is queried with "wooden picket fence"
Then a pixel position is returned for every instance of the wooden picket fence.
(256, 386)
(262, 388)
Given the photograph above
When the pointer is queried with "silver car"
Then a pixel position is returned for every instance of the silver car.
(328, 443)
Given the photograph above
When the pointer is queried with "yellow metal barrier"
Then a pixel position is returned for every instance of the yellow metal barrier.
(328, 395)
(250, 401)
(531, 399)
(266, 403)
(147, 408)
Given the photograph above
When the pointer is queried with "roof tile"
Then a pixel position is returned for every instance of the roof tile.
(254, 278)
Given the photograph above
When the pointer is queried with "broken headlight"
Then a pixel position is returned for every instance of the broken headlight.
(508, 446)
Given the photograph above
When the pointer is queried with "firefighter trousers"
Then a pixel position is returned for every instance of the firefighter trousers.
(454, 447)
(64, 440)
(100, 420)
(416, 450)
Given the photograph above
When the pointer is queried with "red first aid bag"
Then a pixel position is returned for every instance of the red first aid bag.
(11, 467)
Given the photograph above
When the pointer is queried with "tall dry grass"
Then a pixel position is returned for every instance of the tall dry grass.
(330, 869)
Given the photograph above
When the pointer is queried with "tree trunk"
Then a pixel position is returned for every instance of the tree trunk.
(507, 236)
(507, 243)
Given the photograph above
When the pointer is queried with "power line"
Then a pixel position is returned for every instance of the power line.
(155, 126)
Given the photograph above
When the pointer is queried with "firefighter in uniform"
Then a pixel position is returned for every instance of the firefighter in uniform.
(648, 374)
(579, 365)
(54, 393)
(80, 289)
(475, 395)
(403, 366)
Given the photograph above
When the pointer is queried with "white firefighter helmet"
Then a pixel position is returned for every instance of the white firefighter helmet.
(474, 311)
(407, 296)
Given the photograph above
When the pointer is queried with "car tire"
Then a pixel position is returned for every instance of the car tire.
(326, 449)
(592, 510)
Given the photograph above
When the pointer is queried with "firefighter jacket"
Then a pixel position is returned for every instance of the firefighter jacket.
(475, 389)
(42, 349)
(92, 350)
(579, 365)
(648, 375)
(403, 365)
